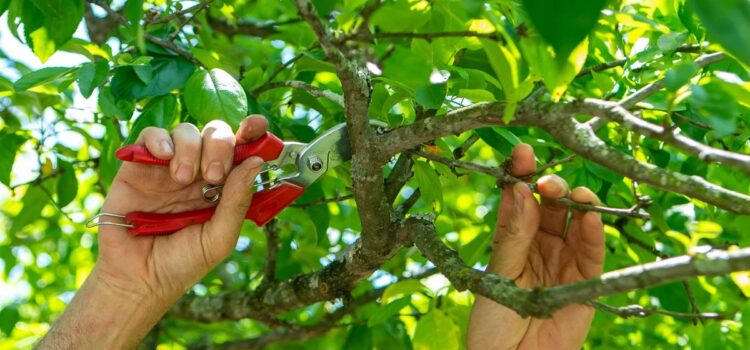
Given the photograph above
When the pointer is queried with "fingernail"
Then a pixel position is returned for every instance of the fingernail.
(185, 173)
(518, 199)
(166, 147)
(215, 172)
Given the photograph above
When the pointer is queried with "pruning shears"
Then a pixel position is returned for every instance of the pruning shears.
(308, 161)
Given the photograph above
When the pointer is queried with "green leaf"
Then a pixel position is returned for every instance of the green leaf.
(302, 132)
(41, 76)
(389, 310)
(4, 6)
(120, 108)
(436, 331)
(160, 112)
(471, 252)
(67, 185)
(407, 68)
(728, 23)
(144, 72)
(9, 316)
(321, 218)
(215, 94)
(680, 75)
(400, 16)
(359, 338)
(505, 60)
(429, 184)
(556, 71)
(49, 24)
(564, 24)
(133, 13)
(33, 202)
(493, 138)
(91, 76)
(746, 324)
(671, 41)
(10, 143)
(403, 287)
(431, 96)
(690, 20)
(108, 164)
(167, 74)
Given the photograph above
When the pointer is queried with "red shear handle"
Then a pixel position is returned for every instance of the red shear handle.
(268, 147)
(263, 207)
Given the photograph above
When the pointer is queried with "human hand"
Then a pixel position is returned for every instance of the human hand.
(137, 279)
(165, 266)
(533, 248)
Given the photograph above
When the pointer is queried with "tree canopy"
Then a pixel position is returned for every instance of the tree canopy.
(644, 102)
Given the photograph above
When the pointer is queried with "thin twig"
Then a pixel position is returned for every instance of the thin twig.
(315, 91)
(505, 178)
(552, 164)
(158, 41)
(338, 198)
(652, 88)
(175, 15)
(641, 311)
(460, 151)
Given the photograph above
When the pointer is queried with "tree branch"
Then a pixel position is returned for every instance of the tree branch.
(557, 120)
(312, 90)
(503, 177)
(640, 311)
(650, 89)
(615, 112)
(543, 302)
(366, 171)
(581, 139)
(333, 281)
(156, 40)
(366, 36)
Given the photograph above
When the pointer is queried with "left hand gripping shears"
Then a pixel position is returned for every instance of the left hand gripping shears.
(310, 161)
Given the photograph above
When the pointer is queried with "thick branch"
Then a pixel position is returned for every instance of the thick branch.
(366, 171)
(578, 137)
(672, 137)
(330, 282)
(581, 139)
(544, 302)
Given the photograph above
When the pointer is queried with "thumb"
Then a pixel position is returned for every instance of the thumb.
(224, 227)
(515, 233)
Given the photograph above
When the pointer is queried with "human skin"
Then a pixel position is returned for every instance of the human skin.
(533, 248)
(136, 279)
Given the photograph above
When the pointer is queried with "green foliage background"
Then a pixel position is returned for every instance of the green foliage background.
(47, 252)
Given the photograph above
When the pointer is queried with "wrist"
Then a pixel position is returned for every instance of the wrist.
(105, 314)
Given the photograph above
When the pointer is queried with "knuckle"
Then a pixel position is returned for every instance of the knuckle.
(185, 128)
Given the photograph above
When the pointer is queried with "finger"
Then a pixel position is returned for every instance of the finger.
(553, 214)
(252, 128)
(512, 241)
(522, 163)
(218, 151)
(585, 196)
(588, 235)
(224, 227)
(187, 155)
(157, 141)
